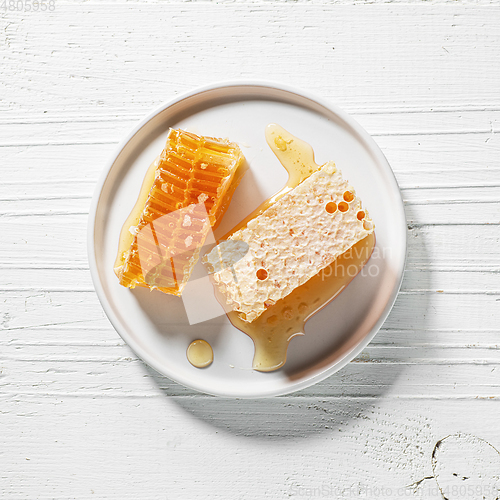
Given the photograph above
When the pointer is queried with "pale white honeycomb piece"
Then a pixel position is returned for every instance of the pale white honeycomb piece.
(292, 240)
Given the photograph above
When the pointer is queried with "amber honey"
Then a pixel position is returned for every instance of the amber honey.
(185, 192)
(200, 354)
(296, 155)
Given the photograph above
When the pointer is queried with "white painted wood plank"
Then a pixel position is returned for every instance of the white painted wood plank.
(351, 443)
(448, 56)
(112, 377)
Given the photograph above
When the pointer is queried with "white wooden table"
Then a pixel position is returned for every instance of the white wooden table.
(81, 417)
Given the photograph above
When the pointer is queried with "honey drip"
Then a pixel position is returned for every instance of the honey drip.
(126, 237)
(296, 155)
(200, 354)
(272, 331)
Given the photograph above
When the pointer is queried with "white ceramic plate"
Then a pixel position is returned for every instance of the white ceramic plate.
(155, 325)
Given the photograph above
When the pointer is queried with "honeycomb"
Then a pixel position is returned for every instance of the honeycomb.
(290, 242)
(192, 188)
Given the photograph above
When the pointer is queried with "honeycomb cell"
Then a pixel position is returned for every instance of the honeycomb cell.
(261, 274)
(343, 207)
(348, 196)
(331, 207)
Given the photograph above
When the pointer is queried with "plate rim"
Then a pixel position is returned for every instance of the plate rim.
(294, 385)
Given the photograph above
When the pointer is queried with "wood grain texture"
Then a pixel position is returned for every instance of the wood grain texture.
(81, 417)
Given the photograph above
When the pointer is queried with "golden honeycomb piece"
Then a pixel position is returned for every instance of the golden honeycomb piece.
(194, 180)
